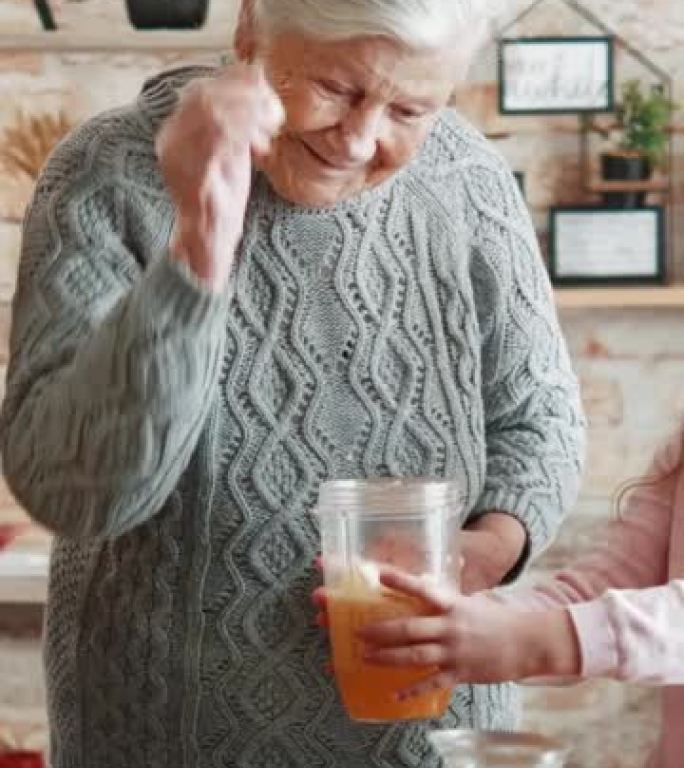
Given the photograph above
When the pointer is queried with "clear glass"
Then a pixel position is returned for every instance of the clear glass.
(411, 524)
(488, 749)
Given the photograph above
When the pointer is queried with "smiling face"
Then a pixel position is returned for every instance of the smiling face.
(357, 111)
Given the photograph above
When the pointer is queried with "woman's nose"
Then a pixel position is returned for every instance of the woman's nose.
(359, 133)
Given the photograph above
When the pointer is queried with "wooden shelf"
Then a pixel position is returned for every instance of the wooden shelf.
(130, 40)
(669, 297)
(653, 185)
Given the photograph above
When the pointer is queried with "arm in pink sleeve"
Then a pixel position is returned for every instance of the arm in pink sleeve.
(629, 621)
(635, 635)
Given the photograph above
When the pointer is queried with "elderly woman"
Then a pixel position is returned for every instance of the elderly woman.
(222, 303)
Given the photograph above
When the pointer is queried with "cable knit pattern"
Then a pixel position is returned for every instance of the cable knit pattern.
(175, 440)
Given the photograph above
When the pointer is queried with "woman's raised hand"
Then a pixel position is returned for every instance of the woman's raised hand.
(205, 151)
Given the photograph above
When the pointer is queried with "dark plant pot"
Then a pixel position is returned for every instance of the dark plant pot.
(625, 168)
(167, 14)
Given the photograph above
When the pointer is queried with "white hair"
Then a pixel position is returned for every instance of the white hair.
(417, 23)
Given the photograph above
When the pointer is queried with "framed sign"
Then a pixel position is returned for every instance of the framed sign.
(594, 246)
(556, 75)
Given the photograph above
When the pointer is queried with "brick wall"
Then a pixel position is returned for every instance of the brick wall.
(630, 362)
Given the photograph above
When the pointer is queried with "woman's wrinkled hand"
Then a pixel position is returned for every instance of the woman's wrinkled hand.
(205, 151)
(470, 639)
(491, 547)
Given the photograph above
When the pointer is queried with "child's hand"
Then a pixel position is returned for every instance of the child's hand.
(470, 639)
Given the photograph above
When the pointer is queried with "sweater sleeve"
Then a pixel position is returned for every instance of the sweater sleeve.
(634, 635)
(629, 619)
(534, 421)
(114, 351)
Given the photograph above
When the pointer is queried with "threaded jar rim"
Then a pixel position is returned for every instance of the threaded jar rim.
(391, 496)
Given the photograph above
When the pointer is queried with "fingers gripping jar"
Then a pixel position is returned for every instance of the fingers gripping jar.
(411, 524)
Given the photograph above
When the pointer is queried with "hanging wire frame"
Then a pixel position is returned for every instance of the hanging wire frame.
(44, 12)
(665, 85)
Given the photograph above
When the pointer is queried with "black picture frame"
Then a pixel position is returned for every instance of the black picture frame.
(622, 221)
(546, 44)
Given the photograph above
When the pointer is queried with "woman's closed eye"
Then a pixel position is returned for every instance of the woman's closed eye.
(335, 88)
(409, 113)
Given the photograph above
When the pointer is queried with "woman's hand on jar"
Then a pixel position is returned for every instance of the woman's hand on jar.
(484, 565)
(491, 547)
(205, 153)
(470, 639)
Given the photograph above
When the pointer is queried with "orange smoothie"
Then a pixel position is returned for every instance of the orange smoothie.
(369, 691)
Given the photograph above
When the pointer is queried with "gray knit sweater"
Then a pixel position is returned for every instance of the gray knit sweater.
(174, 440)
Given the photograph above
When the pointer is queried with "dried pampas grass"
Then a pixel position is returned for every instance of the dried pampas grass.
(26, 144)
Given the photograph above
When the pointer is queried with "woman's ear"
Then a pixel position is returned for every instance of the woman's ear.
(245, 40)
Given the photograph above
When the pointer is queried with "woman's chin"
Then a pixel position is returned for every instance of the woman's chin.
(312, 192)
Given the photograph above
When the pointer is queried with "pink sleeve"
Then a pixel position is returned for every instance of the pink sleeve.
(635, 635)
(626, 630)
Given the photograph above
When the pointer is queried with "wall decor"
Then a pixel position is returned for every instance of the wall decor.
(601, 246)
(619, 183)
(556, 75)
(640, 140)
(26, 143)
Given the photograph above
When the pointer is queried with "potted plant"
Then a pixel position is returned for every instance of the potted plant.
(641, 128)
(167, 14)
